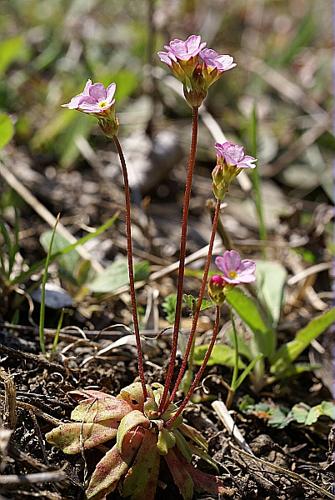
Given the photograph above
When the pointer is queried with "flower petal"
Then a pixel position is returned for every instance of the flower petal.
(97, 91)
(232, 260)
(220, 264)
(194, 45)
(111, 92)
(73, 104)
(164, 57)
(87, 87)
(89, 105)
(247, 270)
(247, 162)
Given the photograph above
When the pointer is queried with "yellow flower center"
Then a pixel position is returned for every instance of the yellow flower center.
(232, 274)
(102, 104)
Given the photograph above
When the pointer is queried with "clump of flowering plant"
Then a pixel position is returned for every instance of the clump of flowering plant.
(144, 419)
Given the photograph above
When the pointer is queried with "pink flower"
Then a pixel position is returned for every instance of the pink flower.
(234, 269)
(213, 60)
(183, 51)
(231, 154)
(95, 99)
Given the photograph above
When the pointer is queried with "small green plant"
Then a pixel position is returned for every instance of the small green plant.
(13, 278)
(280, 416)
(267, 363)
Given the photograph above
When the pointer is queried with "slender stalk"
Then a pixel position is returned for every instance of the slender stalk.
(201, 370)
(199, 302)
(130, 264)
(232, 388)
(182, 253)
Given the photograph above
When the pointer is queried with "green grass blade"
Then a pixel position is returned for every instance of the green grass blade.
(246, 371)
(44, 282)
(8, 245)
(39, 265)
(255, 177)
(289, 352)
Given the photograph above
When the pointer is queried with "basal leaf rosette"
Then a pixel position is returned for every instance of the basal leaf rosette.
(142, 439)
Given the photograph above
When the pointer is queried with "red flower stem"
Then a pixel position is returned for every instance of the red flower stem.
(201, 370)
(199, 302)
(182, 254)
(131, 265)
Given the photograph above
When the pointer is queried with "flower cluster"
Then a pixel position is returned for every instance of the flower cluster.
(235, 271)
(195, 66)
(231, 159)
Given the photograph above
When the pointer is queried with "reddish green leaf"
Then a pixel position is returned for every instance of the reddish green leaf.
(195, 435)
(98, 410)
(70, 438)
(206, 482)
(141, 480)
(183, 446)
(133, 419)
(113, 466)
(133, 395)
(107, 474)
(88, 395)
(180, 475)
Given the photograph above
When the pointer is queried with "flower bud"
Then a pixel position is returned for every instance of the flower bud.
(216, 289)
(220, 186)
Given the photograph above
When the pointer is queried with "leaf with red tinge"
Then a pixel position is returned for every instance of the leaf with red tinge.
(107, 474)
(98, 410)
(206, 482)
(192, 433)
(141, 480)
(71, 437)
(113, 466)
(129, 422)
(88, 395)
(133, 395)
(180, 475)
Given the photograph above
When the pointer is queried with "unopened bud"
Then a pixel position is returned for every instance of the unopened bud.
(216, 289)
